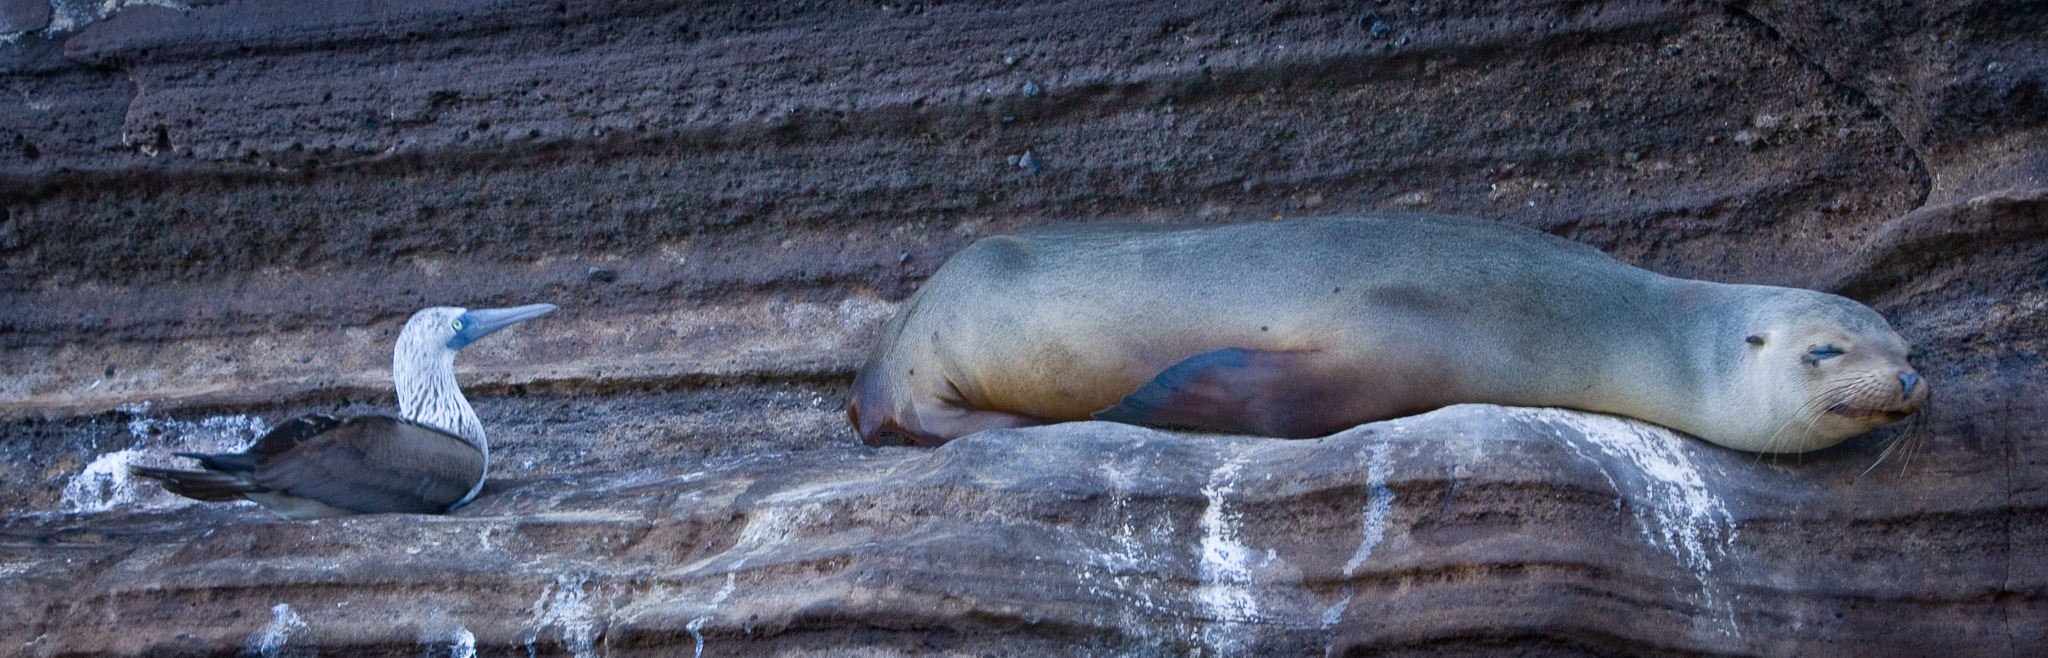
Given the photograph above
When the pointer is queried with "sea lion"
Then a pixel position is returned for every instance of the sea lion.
(1305, 327)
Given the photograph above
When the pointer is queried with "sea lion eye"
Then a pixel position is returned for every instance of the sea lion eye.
(1754, 340)
(1822, 353)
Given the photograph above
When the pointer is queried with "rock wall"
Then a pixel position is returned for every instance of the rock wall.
(215, 215)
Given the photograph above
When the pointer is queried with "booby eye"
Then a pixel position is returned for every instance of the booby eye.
(458, 324)
(1822, 353)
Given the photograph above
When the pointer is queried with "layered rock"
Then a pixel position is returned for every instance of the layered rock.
(215, 216)
(1470, 528)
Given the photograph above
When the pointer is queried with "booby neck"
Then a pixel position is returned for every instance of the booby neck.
(428, 395)
(423, 367)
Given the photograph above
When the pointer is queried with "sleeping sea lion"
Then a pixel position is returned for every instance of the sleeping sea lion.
(1306, 327)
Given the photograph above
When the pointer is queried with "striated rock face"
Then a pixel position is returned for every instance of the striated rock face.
(1472, 528)
(215, 216)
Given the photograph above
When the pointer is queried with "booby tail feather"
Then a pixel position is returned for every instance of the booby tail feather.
(210, 486)
(234, 462)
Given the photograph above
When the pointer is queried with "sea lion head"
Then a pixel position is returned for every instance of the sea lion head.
(1817, 369)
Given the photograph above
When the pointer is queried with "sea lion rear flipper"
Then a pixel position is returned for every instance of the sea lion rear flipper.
(1240, 391)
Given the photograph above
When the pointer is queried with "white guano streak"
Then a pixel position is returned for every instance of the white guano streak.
(104, 484)
(1225, 569)
(696, 626)
(1379, 502)
(283, 623)
(565, 606)
(1676, 510)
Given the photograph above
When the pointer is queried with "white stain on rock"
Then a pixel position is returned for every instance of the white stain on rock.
(566, 607)
(770, 527)
(104, 484)
(1129, 571)
(267, 642)
(443, 638)
(1130, 553)
(767, 529)
(1379, 502)
(70, 15)
(1226, 566)
(696, 626)
(462, 645)
(1134, 549)
(1674, 508)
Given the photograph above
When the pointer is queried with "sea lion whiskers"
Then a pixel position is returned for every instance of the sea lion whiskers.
(1862, 386)
(1890, 446)
(1816, 407)
(1908, 439)
(1811, 411)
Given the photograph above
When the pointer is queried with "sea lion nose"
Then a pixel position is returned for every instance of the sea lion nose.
(1907, 381)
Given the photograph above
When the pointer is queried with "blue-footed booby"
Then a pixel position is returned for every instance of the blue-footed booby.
(429, 459)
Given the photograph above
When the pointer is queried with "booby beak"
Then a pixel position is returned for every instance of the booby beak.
(481, 322)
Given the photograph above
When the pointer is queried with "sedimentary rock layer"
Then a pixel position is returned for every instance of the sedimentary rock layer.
(215, 215)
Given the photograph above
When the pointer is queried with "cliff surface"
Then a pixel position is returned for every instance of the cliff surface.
(215, 216)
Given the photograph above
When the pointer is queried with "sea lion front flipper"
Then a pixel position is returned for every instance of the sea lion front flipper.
(1270, 393)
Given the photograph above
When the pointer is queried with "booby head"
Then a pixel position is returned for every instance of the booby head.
(453, 328)
(423, 363)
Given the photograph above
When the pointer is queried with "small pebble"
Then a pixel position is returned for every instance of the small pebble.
(602, 275)
(1029, 161)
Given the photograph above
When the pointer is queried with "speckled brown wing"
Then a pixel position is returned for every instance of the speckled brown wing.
(376, 464)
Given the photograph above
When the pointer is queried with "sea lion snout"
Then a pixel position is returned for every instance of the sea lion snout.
(1912, 395)
(1912, 392)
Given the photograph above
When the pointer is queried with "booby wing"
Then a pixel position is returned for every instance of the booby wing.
(280, 439)
(366, 465)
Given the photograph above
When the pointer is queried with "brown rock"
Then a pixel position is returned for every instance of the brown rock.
(18, 16)
(215, 218)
